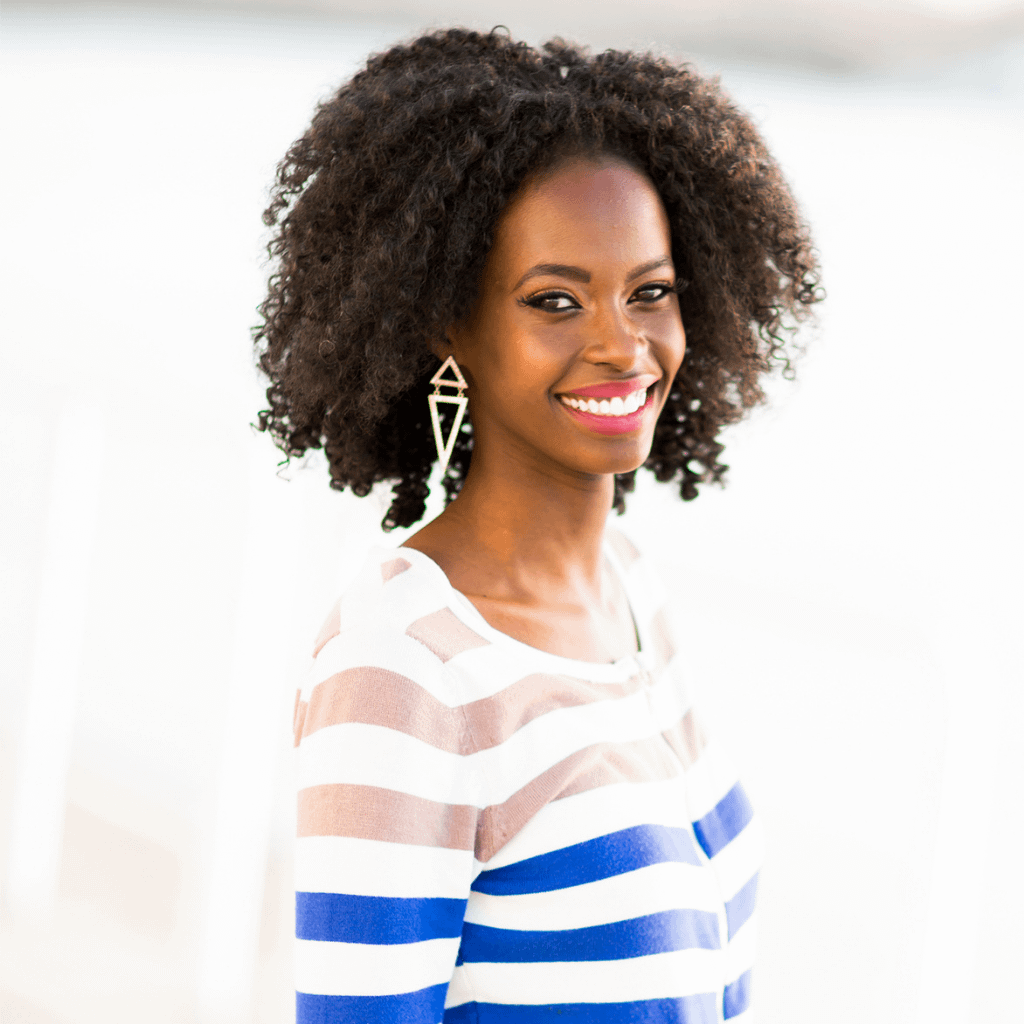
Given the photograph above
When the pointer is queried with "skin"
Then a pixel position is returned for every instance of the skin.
(523, 540)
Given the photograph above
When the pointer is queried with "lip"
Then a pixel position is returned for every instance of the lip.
(615, 388)
(612, 424)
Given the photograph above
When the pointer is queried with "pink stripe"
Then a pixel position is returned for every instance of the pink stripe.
(493, 720)
(299, 716)
(604, 764)
(646, 760)
(369, 812)
(443, 633)
(389, 570)
(376, 696)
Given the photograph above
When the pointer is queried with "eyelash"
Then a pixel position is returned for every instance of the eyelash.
(534, 301)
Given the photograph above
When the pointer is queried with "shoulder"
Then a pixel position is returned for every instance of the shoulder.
(391, 636)
(366, 602)
(398, 598)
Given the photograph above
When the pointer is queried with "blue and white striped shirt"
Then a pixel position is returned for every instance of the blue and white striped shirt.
(491, 833)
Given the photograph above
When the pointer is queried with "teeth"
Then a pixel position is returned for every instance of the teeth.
(605, 407)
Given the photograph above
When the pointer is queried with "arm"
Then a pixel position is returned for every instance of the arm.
(386, 826)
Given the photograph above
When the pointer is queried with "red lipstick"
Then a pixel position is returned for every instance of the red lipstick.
(615, 388)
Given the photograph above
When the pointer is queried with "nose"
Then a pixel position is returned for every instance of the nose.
(615, 340)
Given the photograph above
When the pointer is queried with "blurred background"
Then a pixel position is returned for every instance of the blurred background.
(851, 601)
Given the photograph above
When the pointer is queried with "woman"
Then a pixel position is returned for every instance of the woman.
(507, 810)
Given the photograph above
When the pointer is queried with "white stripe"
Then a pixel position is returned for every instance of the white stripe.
(372, 755)
(368, 867)
(708, 779)
(486, 671)
(662, 976)
(648, 890)
(551, 738)
(739, 953)
(737, 862)
(669, 700)
(596, 812)
(354, 969)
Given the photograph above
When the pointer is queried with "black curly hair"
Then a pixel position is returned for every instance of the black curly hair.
(386, 209)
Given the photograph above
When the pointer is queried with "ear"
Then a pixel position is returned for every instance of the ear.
(441, 348)
(447, 345)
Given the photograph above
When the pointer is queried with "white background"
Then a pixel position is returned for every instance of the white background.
(851, 600)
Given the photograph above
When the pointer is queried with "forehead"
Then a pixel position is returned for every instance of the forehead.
(586, 212)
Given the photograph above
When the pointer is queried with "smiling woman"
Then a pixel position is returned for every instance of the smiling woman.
(595, 317)
(508, 809)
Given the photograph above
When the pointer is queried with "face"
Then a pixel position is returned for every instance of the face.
(575, 337)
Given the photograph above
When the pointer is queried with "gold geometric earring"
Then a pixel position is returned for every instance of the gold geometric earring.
(445, 448)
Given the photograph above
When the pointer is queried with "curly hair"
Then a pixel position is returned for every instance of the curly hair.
(385, 211)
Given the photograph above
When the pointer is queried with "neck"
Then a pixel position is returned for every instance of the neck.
(541, 528)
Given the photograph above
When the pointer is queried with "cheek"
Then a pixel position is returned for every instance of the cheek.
(672, 339)
(530, 359)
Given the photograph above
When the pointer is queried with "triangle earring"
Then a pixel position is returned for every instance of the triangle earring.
(445, 448)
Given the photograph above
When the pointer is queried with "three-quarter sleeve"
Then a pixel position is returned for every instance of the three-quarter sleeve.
(386, 824)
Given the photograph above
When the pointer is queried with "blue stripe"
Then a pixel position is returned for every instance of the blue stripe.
(664, 932)
(423, 1007)
(699, 1009)
(378, 920)
(737, 996)
(741, 906)
(612, 854)
(724, 822)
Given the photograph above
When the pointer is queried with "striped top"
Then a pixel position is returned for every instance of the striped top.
(491, 833)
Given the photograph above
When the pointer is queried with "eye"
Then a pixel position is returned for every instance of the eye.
(551, 302)
(652, 292)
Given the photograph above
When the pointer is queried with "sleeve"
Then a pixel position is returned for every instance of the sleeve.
(386, 827)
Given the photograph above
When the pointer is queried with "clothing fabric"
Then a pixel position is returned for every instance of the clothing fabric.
(492, 834)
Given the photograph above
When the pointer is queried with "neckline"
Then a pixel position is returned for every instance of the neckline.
(465, 607)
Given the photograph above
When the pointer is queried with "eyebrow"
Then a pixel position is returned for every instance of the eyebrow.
(579, 274)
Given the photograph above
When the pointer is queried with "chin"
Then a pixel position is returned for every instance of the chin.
(624, 462)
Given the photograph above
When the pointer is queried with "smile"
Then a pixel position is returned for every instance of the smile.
(607, 406)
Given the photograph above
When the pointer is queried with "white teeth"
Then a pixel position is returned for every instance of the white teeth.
(615, 407)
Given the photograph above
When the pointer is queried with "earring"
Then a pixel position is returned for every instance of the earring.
(445, 448)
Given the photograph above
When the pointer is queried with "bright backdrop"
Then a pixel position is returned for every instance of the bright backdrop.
(851, 600)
